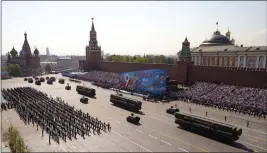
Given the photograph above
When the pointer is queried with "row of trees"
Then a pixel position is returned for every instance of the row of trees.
(15, 70)
(142, 59)
(15, 141)
(12, 69)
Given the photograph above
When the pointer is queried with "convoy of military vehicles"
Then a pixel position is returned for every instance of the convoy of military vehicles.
(184, 120)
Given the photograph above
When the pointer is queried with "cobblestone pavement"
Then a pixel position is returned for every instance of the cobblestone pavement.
(158, 132)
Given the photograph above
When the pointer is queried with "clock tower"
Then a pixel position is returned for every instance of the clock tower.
(93, 51)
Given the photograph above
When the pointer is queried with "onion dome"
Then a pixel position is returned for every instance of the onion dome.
(13, 52)
(36, 52)
(22, 52)
(216, 40)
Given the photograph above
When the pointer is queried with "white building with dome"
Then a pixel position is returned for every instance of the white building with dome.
(220, 50)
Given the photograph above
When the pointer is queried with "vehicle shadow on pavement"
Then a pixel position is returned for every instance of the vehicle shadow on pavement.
(217, 138)
(139, 112)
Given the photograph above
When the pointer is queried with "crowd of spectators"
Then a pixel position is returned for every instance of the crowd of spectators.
(244, 100)
(100, 77)
(251, 101)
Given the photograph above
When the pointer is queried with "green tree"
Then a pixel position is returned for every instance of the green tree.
(48, 68)
(13, 138)
(14, 69)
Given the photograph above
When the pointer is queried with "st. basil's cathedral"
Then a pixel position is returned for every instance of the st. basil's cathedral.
(28, 62)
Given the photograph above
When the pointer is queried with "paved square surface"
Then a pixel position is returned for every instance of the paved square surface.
(158, 132)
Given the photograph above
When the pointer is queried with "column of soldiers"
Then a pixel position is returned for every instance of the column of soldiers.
(53, 116)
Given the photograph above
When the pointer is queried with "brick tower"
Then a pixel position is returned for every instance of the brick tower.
(184, 63)
(93, 51)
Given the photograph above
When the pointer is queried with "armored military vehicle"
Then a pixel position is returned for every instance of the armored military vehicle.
(61, 81)
(38, 82)
(42, 79)
(172, 110)
(133, 119)
(53, 79)
(84, 100)
(68, 87)
(49, 81)
(30, 80)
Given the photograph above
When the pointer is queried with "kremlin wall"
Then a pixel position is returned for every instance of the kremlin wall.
(184, 70)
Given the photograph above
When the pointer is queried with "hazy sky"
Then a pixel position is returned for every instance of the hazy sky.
(128, 27)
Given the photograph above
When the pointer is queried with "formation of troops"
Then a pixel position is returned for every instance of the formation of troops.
(53, 116)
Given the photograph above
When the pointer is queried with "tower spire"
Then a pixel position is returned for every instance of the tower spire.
(93, 26)
(25, 35)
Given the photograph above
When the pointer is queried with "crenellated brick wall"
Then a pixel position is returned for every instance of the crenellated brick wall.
(231, 76)
(186, 72)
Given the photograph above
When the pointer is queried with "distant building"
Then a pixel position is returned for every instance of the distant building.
(64, 63)
(29, 63)
(53, 65)
(47, 51)
(219, 50)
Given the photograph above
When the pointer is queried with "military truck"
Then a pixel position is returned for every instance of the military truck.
(86, 91)
(125, 102)
(193, 122)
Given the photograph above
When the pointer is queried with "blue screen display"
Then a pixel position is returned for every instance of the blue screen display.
(153, 81)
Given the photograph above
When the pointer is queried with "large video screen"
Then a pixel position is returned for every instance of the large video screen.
(153, 81)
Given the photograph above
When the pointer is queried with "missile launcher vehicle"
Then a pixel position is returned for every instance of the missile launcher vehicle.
(193, 122)
(125, 102)
(86, 91)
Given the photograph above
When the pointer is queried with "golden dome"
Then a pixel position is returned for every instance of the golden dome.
(228, 33)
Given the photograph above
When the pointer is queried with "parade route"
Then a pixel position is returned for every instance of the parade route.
(157, 132)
